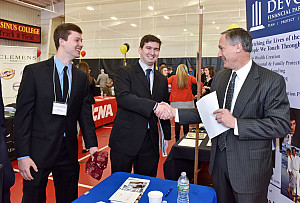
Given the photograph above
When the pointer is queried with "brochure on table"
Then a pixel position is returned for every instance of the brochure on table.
(130, 191)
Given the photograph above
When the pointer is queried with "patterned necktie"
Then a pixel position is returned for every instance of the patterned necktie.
(65, 84)
(230, 90)
(148, 71)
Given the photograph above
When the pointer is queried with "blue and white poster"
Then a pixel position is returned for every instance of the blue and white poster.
(275, 28)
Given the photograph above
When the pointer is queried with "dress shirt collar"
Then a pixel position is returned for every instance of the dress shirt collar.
(145, 67)
(239, 81)
(60, 70)
(60, 66)
(243, 72)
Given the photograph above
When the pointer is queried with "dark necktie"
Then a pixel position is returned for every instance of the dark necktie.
(65, 84)
(148, 71)
(228, 101)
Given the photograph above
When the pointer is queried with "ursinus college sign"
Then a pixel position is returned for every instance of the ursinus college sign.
(20, 32)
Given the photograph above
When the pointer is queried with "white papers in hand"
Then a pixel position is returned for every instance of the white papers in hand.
(206, 106)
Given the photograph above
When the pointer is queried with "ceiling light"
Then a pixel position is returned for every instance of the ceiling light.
(213, 22)
(90, 8)
(217, 28)
(192, 34)
(113, 18)
(158, 36)
(150, 8)
(184, 30)
(133, 25)
(166, 17)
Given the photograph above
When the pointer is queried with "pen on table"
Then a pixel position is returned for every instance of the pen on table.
(168, 191)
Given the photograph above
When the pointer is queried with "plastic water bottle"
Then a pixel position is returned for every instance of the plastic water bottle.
(183, 188)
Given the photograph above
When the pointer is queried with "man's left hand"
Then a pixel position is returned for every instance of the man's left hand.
(225, 117)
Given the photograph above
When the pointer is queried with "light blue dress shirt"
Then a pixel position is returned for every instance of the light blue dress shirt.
(60, 70)
(144, 67)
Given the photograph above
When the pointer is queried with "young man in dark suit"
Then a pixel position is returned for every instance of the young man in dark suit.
(241, 163)
(53, 95)
(134, 139)
(8, 176)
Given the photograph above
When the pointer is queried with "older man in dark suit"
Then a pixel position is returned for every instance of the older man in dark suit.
(254, 105)
(139, 88)
(8, 173)
(53, 95)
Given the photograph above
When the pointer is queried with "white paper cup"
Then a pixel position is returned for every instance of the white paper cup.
(155, 196)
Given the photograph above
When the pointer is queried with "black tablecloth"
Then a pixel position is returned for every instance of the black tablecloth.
(182, 159)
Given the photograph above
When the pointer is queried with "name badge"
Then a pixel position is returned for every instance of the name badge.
(59, 108)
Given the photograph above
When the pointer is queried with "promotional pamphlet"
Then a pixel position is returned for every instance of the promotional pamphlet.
(130, 191)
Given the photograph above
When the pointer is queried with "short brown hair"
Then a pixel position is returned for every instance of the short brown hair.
(63, 31)
(149, 38)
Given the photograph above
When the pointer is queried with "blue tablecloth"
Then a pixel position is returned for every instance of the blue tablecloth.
(107, 187)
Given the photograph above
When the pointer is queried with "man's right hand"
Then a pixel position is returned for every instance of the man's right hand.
(24, 167)
(165, 111)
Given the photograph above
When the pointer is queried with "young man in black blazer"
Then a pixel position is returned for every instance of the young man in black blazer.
(134, 139)
(53, 95)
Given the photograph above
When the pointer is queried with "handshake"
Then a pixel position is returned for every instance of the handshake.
(165, 111)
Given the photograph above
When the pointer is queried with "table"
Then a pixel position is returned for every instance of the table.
(182, 159)
(105, 109)
(107, 187)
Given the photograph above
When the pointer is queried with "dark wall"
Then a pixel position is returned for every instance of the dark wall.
(111, 65)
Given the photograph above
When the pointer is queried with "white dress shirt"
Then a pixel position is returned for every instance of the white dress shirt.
(145, 67)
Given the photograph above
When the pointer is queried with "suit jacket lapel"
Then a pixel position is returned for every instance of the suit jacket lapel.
(73, 85)
(142, 76)
(156, 82)
(247, 90)
(50, 69)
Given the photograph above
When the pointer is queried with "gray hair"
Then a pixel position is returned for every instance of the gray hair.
(239, 35)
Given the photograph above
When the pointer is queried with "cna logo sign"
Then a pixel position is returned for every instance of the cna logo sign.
(7, 73)
(101, 112)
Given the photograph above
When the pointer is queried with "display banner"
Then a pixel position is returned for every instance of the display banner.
(20, 32)
(12, 62)
(275, 28)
